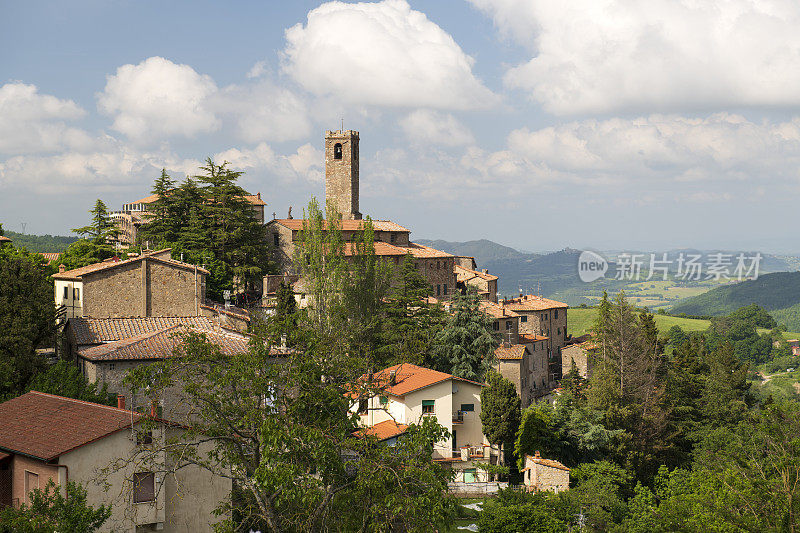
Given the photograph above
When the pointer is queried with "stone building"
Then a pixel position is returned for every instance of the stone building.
(152, 284)
(584, 356)
(45, 437)
(542, 317)
(481, 280)
(526, 365)
(392, 242)
(544, 474)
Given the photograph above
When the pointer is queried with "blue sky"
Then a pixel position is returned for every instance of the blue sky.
(539, 125)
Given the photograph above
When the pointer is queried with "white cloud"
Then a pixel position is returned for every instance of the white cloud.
(263, 111)
(31, 122)
(599, 56)
(158, 98)
(431, 127)
(305, 163)
(383, 54)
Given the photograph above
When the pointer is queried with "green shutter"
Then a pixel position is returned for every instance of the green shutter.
(428, 403)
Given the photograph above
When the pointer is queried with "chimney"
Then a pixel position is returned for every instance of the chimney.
(536, 454)
(153, 409)
(120, 401)
(258, 195)
(392, 377)
(62, 268)
(485, 270)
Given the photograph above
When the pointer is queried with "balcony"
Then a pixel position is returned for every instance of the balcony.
(458, 417)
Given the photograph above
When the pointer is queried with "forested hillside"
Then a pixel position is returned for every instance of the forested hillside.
(40, 243)
(776, 291)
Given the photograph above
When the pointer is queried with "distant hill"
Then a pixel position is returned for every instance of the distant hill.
(482, 250)
(776, 291)
(40, 243)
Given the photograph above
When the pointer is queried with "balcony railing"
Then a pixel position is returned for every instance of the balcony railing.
(458, 417)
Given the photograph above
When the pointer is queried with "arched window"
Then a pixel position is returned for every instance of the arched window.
(337, 151)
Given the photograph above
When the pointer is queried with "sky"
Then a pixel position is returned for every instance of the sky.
(604, 124)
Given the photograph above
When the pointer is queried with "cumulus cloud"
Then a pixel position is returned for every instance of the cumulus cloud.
(383, 54)
(158, 98)
(31, 122)
(263, 111)
(597, 56)
(305, 163)
(431, 127)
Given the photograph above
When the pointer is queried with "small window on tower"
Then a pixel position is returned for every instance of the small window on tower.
(337, 151)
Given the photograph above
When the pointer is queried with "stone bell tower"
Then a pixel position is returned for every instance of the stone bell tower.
(341, 172)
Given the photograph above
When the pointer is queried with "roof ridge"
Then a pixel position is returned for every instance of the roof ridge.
(84, 402)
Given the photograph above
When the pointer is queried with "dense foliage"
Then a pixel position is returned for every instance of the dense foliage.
(49, 510)
(40, 243)
(208, 220)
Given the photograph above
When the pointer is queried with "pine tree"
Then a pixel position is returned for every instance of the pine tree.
(102, 227)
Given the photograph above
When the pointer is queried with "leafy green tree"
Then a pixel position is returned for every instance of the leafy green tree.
(725, 396)
(49, 510)
(27, 315)
(599, 493)
(101, 228)
(64, 379)
(517, 512)
(573, 382)
(86, 252)
(411, 322)
(465, 345)
(500, 412)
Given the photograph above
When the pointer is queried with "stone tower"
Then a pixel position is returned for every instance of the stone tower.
(341, 172)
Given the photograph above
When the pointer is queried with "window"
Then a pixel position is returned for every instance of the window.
(66, 293)
(144, 487)
(496, 326)
(337, 151)
(468, 407)
(112, 366)
(444, 290)
(555, 314)
(427, 406)
(438, 267)
(363, 405)
(276, 239)
(508, 325)
(392, 238)
(559, 331)
(545, 316)
(455, 446)
(384, 400)
(76, 294)
(438, 290)
(469, 475)
(524, 318)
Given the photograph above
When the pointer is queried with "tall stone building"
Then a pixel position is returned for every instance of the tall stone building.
(341, 172)
(392, 241)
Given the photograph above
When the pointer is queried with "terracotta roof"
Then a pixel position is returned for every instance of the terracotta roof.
(409, 378)
(586, 345)
(495, 310)
(50, 257)
(47, 426)
(254, 199)
(527, 338)
(347, 225)
(100, 330)
(3, 238)
(531, 302)
(426, 252)
(160, 344)
(381, 248)
(546, 462)
(384, 430)
(513, 352)
(78, 273)
(468, 273)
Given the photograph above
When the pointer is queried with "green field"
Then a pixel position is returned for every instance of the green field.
(580, 321)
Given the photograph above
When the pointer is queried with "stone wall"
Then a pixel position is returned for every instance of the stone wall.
(341, 173)
(439, 274)
(143, 288)
(582, 359)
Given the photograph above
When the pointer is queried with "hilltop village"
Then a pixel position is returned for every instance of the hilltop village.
(135, 310)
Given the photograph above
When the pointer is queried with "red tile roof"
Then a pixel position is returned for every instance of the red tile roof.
(467, 273)
(527, 338)
(347, 225)
(384, 430)
(50, 257)
(409, 378)
(426, 252)
(514, 352)
(381, 249)
(100, 330)
(161, 344)
(47, 426)
(496, 310)
(3, 238)
(546, 462)
(531, 302)
(78, 273)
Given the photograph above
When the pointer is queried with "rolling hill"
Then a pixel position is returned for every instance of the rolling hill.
(779, 290)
